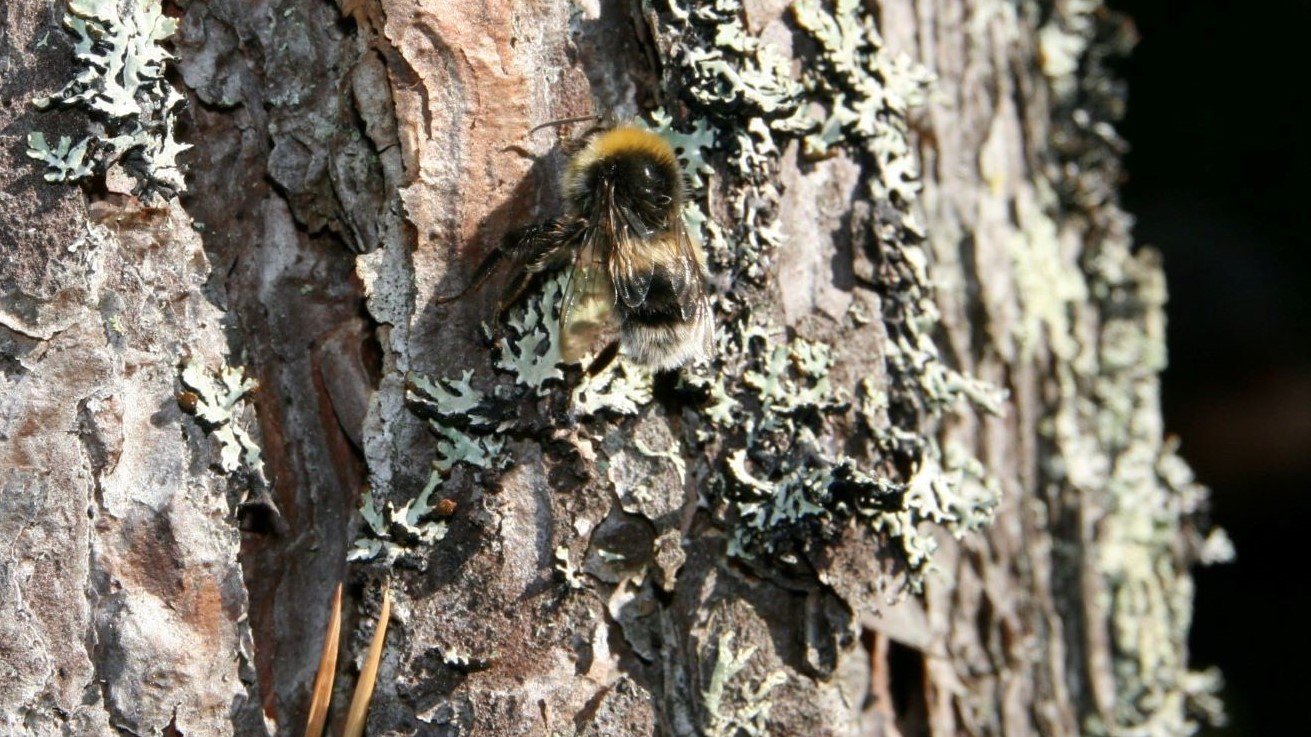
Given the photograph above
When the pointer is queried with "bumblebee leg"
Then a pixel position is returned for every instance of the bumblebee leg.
(536, 249)
(603, 359)
(566, 121)
(480, 276)
(525, 247)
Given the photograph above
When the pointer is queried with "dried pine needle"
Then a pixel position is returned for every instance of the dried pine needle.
(322, 692)
(359, 710)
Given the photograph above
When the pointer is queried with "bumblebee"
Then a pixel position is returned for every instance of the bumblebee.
(632, 266)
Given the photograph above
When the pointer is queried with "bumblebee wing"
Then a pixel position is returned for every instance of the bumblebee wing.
(630, 264)
(588, 304)
(691, 288)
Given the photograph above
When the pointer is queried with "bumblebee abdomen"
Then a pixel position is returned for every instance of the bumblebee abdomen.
(662, 335)
(663, 304)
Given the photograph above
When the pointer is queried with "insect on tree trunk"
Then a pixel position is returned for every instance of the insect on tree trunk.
(921, 488)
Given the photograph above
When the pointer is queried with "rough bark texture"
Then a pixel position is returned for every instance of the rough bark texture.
(122, 604)
(923, 488)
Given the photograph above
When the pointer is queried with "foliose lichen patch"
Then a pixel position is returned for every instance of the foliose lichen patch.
(734, 704)
(216, 400)
(400, 534)
(785, 488)
(123, 89)
(465, 421)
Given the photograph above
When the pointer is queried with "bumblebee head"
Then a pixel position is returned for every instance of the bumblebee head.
(626, 169)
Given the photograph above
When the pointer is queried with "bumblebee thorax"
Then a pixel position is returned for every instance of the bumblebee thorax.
(627, 169)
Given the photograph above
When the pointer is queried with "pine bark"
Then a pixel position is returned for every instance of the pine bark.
(996, 341)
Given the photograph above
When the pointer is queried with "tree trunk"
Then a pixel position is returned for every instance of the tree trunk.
(921, 488)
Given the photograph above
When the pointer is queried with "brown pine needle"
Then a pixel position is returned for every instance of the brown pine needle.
(322, 693)
(359, 710)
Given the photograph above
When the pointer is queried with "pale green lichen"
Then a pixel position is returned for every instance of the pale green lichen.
(690, 146)
(215, 400)
(65, 162)
(787, 489)
(399, 533)
(728, 69)
(795, 375)
(722, 407)
(622, 389)
(1100, 306)
(123, 87)
(447, 397)
(376, 522)
(414, 518)
(1147, 497)
(869, 94)
(866, 89)
(672, 455)
(573, 576)
(735, 706)
(450, 405)
(733, 70)
(454, 446)
(463, 419)
(784, 483)
(530, 350)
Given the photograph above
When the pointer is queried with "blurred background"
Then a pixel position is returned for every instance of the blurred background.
(1218, 122)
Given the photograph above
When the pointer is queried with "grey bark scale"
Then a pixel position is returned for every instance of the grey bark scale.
(907, 209)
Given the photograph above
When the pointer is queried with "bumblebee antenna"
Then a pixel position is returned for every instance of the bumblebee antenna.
(566, 121)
